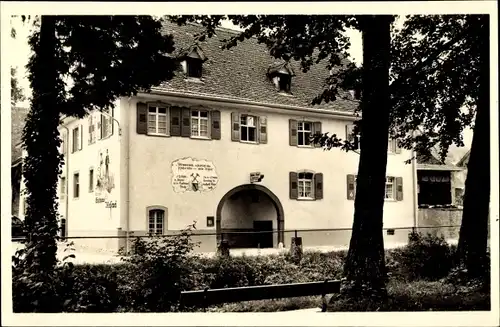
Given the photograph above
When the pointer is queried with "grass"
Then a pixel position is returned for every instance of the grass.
(420, 296)
(276, 305)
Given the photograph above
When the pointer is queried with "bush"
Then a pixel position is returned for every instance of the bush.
(158, 272)
(67, 288)
(425, 257)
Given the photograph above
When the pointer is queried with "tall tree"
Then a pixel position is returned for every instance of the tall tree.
(105, 57)
(310, 40)
(449, 89)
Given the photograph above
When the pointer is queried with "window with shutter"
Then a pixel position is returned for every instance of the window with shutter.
(200, 121)
(352, 135)
(157, 120)
(399, 188)
(175, 121)
(304, 133)
(248, 128)
(186, 122)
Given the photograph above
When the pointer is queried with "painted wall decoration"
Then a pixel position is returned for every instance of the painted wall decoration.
(105, 182)
(193, 175)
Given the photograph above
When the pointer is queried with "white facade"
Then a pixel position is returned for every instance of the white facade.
(135, 174)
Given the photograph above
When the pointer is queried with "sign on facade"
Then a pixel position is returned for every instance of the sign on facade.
(193, 175)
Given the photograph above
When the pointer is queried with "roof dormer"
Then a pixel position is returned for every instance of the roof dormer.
(192, 61)
(281, 75)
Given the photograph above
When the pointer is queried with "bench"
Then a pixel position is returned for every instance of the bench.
(207, 297)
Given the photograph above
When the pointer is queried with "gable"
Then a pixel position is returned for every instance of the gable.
(242, 72)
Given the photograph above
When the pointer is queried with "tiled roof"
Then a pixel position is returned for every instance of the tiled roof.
(241, 72)
(18, 117)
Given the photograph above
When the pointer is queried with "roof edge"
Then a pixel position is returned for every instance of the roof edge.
(337, 113)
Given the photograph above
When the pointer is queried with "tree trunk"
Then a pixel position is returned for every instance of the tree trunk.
(365, 266)
(41, 167)
(473, 240)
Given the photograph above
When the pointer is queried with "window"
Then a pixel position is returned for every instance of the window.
(199, 123)
(392, 147)
(301, 133)
(393, 187)
(63, 187)
(92, 136)
(305, 184)
(156, 220)
(248, 128)
(76, 140)
(64, 143)
(194, 68)
(91, 180)
(284, 82)
(76, 185)
(304, 133)
(389, 188)
(107, 124)
(157, 120)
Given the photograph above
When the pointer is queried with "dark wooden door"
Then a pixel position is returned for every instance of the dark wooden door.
(264, 233)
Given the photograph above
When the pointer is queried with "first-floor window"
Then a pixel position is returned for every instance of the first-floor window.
(157, 120)
(389, 188)
(248, 128)
(305, 185)
(156, 221)
(199, 123)
(91, 180)
(304, 130)
(76, 140)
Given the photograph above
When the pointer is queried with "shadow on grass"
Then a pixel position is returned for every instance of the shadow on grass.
(420, 296)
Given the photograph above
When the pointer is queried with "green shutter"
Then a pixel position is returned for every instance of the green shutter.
(142, 120)
(294, 188)
(317, 130)
(263, 129)
(399, 188)
(186, 122)
(215, 117)
(175, 121)
(235, 126)
(318, 186)
(293, 125)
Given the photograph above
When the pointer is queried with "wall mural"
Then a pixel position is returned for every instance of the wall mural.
(105, 180)
(193, 175)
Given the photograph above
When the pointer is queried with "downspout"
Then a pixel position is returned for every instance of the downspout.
(66, 163)
(415, 187)
(127, 159)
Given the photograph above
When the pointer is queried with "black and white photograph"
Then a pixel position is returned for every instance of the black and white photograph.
(327, 163)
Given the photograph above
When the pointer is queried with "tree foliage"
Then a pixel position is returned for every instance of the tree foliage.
(79, 63)
(16, 92)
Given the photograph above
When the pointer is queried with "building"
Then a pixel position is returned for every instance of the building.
(18, 117)
(224, 144)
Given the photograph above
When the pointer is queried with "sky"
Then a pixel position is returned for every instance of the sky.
(21, 48)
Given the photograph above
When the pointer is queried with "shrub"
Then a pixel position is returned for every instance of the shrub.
(425, 257)
(158, 272)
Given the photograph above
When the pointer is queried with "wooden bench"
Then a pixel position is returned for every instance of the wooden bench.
(207, 297)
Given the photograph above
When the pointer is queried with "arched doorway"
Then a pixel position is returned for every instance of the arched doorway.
(246, 209)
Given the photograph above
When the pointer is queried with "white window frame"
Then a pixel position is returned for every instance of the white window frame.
(387, 178)
(255, 127)
(155, 230)
(92, 133)
(301, 185)
(199, 119)
(107, 122)
(76, 185)
(157, 114)
(301, 130)
(390, 181)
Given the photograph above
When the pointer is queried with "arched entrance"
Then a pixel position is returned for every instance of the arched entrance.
(248, 208)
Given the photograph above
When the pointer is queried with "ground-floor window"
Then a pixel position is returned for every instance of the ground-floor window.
(156, 221)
